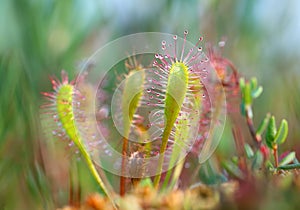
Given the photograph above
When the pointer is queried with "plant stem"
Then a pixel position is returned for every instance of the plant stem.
(176, 174)
(167, 178)
(95, 173)
(257, 138)
(163, 147)
(275, 153)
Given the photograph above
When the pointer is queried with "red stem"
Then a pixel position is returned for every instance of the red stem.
(275, 153)
(256, 138)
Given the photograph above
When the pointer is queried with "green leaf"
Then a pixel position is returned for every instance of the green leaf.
(287, 159)
(131, 97)
(235, 160)
(290, 166)
(242, 84)
(257, 92)
(253, 83)
(257, 161)
(263, 125)
(233, 169)
(271, 133)
(247, 95)
(249, 151)
(178, 77)
(282, 132)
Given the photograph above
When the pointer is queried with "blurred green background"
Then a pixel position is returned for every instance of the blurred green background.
(39, 38)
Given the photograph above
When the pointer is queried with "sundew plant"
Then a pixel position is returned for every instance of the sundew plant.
(153, 117)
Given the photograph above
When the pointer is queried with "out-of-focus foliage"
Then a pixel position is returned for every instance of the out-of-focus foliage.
(38, 38)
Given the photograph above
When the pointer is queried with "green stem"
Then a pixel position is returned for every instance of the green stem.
(167, 178)
(163, 147)
(95, 173)
(176, 174)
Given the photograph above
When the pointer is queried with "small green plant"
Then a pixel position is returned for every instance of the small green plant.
(276, 137)
(265, 136)
(273, 137)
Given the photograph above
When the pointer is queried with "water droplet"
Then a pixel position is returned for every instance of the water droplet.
(149, 90)
(163, 42)
(151, 97)
(185, 32)
(200, 38)
(175, 37)
(199, 49)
